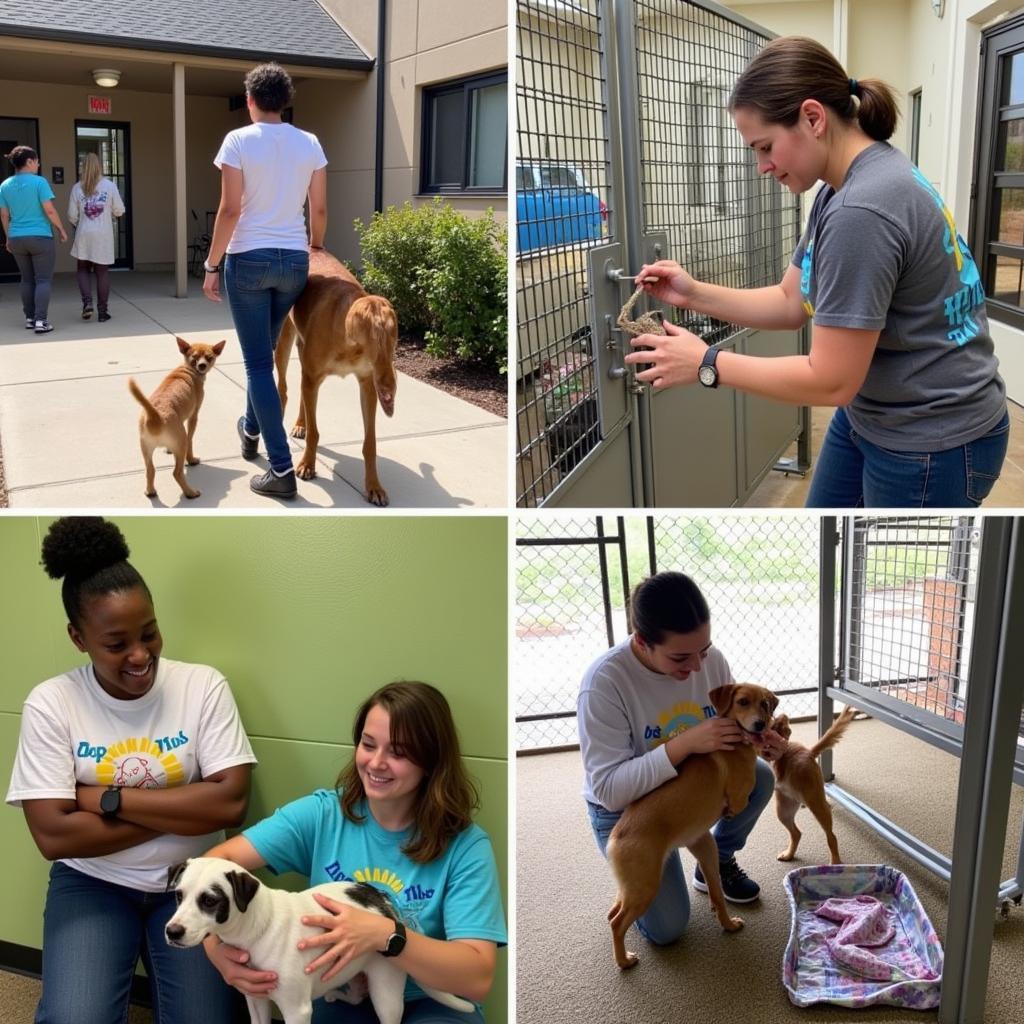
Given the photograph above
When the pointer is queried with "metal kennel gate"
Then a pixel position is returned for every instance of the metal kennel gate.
(930, 642)
(626, 154)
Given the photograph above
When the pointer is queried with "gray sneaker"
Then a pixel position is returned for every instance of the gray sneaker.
(274, 486)
(43, 327)
(250, 445)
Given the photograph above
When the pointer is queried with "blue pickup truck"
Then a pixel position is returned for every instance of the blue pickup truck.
(555, 206)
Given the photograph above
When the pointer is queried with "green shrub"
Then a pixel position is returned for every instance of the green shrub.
(446, 276)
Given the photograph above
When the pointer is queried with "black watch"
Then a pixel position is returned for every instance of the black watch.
(707, 374)
(212, 270)
(110, 801)
(396, 941)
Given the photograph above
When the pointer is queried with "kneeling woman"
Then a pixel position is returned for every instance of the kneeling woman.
(400, 816)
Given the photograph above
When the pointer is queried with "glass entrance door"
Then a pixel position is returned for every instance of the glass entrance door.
(110, 141)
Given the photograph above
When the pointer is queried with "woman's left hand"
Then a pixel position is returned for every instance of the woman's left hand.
(349, 933)
(211, 286)
(674, 358)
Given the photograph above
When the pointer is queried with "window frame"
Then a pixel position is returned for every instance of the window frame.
(916, 106)
(468, 84)
(998, 44)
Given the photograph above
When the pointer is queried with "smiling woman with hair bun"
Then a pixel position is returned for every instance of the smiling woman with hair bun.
(126, 765)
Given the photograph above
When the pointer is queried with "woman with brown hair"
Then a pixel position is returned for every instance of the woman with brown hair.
(900, 343)
(92, 207)
(399, 817)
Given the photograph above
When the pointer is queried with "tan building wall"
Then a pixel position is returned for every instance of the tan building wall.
(427, 43)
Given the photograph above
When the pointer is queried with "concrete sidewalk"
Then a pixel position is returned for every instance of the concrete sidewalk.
(68, 426)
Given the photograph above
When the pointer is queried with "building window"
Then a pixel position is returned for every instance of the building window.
(915, 127)
(465, 135)
(998, 235)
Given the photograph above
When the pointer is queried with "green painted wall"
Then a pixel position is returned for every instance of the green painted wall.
(305, 616)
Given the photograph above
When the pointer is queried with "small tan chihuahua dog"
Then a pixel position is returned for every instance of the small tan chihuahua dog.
(171, 413)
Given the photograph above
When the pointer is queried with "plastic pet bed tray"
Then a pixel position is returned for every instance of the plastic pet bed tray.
(865, 968)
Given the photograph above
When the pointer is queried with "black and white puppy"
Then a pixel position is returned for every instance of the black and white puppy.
(217, 897)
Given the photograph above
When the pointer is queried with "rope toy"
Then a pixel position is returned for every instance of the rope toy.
(646, 323)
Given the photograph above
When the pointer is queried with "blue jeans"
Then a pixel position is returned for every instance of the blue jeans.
(93, 935)
(262, 286)
(419, 1011)
(35, 256)
(854, 473)
(667, 917)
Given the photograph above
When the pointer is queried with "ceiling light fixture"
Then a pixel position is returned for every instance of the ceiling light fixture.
(106, 77)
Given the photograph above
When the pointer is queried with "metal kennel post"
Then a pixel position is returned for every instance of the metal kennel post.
(927, 644)
(627, 154)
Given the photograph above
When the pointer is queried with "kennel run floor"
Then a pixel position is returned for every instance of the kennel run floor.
(69, 435)
(565, 971)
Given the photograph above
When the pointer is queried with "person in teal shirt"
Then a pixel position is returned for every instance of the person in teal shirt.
(398, 818)
(29, 219)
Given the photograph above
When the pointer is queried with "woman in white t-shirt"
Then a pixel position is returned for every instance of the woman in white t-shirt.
(92, 207)
(643, 708)
(268, 169)
(125, 766)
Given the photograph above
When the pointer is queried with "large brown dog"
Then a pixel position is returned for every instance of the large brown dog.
(681, 813)
(799, 782)
(171, 413)
(340, 330)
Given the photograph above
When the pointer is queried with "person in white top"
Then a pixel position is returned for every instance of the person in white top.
(268, 169)
(92, 207)
(642, 709)
(125, 767)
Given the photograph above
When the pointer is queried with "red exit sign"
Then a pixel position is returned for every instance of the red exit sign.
(99, 104)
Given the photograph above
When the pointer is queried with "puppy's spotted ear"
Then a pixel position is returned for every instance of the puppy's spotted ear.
(243, 888)
(174, 873)
(773, 702)
(721, 697)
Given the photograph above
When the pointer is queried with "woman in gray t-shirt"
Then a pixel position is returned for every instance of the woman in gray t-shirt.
(900, 341)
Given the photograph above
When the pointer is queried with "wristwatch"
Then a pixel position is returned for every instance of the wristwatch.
(212, 270)
(707, 374)
(396, 941)
(110, 801)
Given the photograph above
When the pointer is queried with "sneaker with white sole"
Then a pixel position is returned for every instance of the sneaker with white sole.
(738, 888)
(43, 327)
(30, 323)
(274, 486)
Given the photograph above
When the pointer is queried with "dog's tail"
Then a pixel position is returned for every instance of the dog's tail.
(447, 999)
(153, 420)
(835, 732)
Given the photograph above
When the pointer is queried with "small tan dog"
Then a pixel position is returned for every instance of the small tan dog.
(341, 330)
(171, 413)
(681, 813)
(799, 782)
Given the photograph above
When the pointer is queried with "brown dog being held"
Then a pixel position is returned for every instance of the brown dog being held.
(171, 413)
(799, 782)
(340, 330)
(681, 812)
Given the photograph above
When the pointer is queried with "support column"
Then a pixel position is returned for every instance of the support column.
(180, 200)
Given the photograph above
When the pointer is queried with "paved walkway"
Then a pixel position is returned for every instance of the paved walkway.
(68, 426)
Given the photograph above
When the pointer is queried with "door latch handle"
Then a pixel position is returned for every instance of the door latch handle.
(613, 346)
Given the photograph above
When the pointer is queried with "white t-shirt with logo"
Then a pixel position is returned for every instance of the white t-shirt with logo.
(277, 162)
(625, 714)
(183, 730)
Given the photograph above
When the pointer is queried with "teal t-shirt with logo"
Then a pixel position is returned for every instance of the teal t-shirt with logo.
(24, 195)
(456, 896)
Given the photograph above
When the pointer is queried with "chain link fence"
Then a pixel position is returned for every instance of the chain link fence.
(760, 575)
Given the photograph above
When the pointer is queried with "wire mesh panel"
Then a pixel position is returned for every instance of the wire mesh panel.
(562, 210)
(760, 576)
(699, 183)
(570, 606)
(910, 591)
